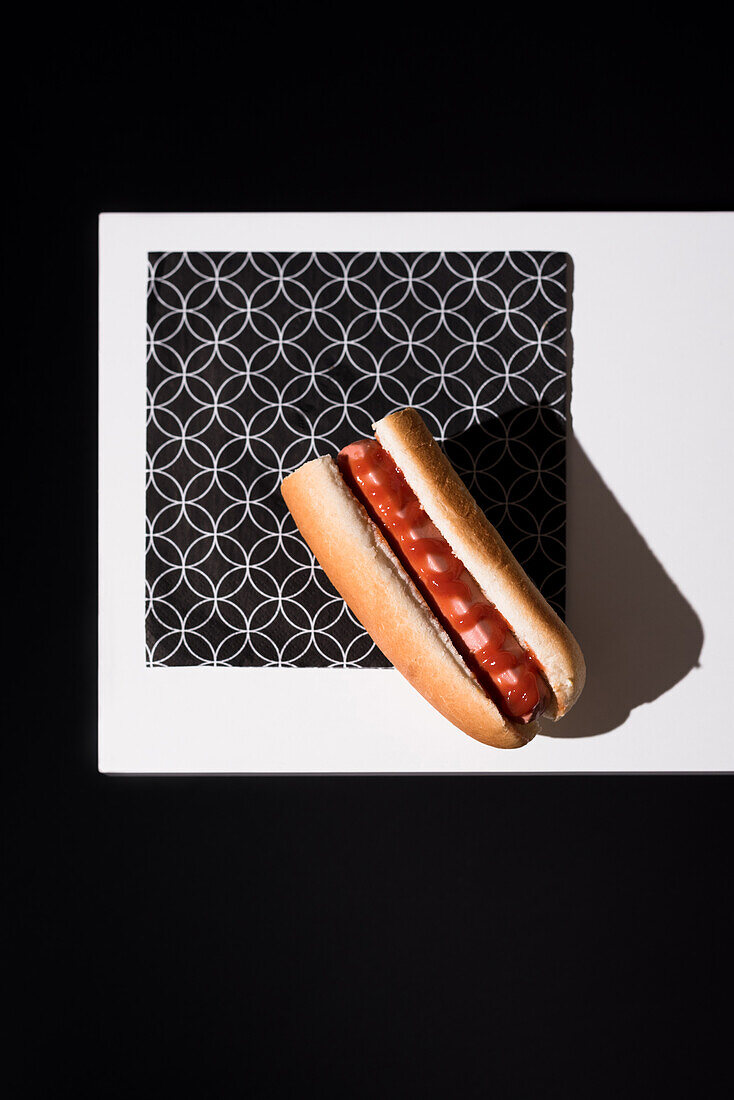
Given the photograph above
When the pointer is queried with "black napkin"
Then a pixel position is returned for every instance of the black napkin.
(260, 361)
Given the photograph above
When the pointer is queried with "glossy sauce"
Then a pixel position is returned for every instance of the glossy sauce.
(509, 674)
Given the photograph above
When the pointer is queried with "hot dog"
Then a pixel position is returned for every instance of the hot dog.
(413, 555)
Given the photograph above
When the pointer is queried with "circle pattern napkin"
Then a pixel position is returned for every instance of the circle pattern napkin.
(258, 362)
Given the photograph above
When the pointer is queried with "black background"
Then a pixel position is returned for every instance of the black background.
(392, 936)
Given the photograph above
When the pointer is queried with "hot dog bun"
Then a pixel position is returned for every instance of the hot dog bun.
(477, 544)
(359, 563)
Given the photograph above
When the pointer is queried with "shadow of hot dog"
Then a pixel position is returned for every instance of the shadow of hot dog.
(618, 590)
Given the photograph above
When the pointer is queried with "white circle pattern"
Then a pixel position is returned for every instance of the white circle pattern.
(258, 362)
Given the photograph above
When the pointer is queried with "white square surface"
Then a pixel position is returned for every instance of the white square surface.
(649, 515)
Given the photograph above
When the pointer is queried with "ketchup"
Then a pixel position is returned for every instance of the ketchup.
(507, 672)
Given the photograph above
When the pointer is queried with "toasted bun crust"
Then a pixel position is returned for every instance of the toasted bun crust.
(358, 561)
(476, 543)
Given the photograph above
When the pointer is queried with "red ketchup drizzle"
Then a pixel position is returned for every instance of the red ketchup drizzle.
(507, 672)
